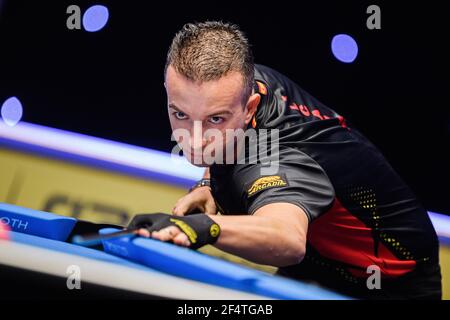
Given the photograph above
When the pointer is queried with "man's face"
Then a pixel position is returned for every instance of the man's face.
(199, 107)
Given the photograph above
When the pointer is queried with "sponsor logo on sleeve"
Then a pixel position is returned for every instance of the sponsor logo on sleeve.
(266, 182)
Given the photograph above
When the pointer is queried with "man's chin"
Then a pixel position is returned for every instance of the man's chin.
(198, 162)
(201, 165)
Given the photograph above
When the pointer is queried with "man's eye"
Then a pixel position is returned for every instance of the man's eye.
(180, 115)
(216, 120)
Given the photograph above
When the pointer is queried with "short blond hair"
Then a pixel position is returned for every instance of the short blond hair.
(210, 50)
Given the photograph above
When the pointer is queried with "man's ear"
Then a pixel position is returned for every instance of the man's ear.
(251, 106)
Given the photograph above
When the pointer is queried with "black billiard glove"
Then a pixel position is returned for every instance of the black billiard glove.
(199, 228)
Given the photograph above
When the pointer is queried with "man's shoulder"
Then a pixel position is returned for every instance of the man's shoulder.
(269, 75)
(284, 103)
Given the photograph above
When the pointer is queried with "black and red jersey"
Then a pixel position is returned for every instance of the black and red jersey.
(361, 213)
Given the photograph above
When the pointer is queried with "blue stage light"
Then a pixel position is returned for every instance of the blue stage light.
(344, 48)
(95, 18)
(12, 111)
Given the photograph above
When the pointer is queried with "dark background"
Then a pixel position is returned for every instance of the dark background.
(110, 83)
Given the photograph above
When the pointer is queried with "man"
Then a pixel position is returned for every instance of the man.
(334, 212)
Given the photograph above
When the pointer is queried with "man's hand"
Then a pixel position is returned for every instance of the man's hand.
(193, 231)
(200, 199)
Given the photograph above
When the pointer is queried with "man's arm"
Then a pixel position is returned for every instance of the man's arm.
(206, 175)
(200, 198)
(274, 235)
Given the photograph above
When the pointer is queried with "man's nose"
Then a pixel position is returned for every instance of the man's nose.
(197, 140)
(197, 143)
